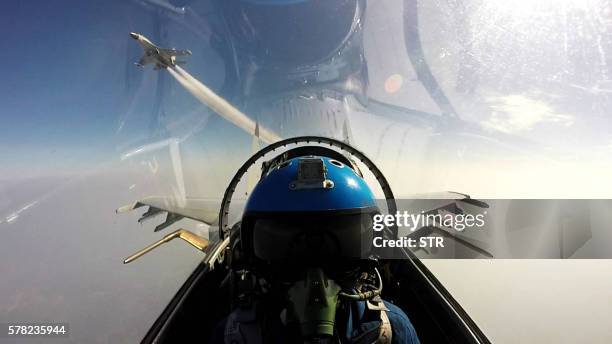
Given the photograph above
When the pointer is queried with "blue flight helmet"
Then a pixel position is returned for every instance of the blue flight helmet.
(309, 209)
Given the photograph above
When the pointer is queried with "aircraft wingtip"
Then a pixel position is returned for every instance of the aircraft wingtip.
(126, 208)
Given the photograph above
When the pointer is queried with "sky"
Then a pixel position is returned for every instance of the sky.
(59, 96)
(72, 104)
(71, 98)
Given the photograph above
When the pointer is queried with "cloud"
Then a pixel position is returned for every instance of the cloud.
(516, 113)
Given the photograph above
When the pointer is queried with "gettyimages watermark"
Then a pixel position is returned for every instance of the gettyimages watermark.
(404, 219)
(465, 228)
(412, 222)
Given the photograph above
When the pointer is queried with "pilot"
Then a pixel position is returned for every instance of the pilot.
(303, 266)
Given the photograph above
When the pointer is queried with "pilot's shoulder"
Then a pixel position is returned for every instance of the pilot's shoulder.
(403, 331)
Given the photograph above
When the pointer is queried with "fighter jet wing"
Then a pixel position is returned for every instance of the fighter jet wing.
(205, 210)
(144, 60)
(176, 52)
(447, 202)
(450, 196)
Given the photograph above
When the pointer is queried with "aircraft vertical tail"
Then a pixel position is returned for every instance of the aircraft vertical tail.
(255, 147)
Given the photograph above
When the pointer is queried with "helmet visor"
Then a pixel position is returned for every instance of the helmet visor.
(313, 239)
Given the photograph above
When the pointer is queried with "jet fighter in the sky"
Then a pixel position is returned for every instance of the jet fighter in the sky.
(161, 57)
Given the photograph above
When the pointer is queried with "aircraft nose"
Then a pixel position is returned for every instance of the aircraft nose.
(134, 35)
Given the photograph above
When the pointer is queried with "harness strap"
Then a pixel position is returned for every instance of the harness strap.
(385, 332)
